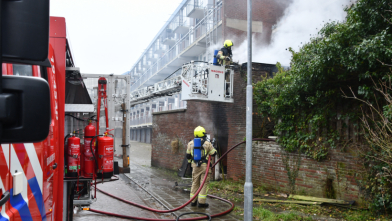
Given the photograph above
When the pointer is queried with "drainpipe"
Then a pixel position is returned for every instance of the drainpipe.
(248, 187)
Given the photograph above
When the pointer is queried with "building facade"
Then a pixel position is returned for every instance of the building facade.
(193, 32)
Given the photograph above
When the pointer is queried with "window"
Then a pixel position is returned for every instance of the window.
(22, 70)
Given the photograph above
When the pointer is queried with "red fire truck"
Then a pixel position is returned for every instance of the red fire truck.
(31, 183)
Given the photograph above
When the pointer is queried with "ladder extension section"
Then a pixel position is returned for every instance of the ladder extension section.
(166, 87)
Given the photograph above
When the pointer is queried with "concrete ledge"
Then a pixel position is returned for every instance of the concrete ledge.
(169, 111)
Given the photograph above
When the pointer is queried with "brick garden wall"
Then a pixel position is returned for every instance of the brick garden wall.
(270, 171)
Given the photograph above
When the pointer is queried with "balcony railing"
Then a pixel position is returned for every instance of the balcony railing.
(183, 26)
(168, 38)
(195, 9)
(188, 39)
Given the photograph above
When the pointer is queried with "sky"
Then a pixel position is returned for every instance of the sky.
(109, 36)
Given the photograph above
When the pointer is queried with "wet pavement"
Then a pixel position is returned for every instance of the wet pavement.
(158, 182)
(108, 204)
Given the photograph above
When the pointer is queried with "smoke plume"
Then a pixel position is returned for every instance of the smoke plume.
(301, 20)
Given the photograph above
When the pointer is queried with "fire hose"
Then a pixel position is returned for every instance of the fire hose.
(180, 207)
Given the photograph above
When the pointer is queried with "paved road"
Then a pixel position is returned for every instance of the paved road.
(158, 182)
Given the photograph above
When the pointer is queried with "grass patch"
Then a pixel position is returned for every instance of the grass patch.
(229, 186)
(234, 190)
(328, 211)
(261, 213)
(238, 211)
(226, 186)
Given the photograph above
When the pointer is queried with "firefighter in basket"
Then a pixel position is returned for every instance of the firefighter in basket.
(225, 54)
(197, 153)
(224, 57)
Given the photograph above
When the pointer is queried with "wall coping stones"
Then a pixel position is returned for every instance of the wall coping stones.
(169, 111)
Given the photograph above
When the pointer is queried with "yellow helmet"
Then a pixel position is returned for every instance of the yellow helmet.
(228, 43)
(199, 131)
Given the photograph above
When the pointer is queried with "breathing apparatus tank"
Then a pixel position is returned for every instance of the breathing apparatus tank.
(197, 150)
(105, 157)
(215, 61)
(88, 167)
(73, 156)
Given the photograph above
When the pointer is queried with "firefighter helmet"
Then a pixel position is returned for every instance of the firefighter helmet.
(199, 131)
(228, 44)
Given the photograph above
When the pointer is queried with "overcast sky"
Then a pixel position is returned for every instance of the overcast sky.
(108, 36)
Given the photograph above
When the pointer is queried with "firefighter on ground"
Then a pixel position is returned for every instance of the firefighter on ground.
(199, 168)
(225, 55)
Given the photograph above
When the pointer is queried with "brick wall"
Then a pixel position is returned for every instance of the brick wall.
(177, 125)
(269, 170)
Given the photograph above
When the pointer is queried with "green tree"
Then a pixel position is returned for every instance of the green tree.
(306, 98)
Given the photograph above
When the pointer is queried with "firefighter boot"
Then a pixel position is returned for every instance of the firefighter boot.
(203, 205)
(194, 204)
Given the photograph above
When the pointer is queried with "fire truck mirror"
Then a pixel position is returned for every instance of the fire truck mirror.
(25, 30)
(24, 109)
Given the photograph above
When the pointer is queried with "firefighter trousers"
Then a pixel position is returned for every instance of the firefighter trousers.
(198, 174)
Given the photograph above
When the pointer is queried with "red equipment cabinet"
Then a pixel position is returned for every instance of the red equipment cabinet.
(89, 133)
(105, 157)
(73, 157)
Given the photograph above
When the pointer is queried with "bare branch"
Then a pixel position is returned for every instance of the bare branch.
(376, 126)
(384, 63)
(389, 21)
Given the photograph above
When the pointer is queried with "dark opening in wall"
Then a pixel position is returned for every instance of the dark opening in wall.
(329, 190)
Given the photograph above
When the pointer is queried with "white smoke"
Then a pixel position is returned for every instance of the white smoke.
(301, 20)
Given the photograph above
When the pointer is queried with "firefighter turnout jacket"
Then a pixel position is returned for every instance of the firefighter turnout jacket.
(198, 172)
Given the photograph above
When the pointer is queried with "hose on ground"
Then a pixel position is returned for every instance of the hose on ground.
(208, 216)
(153, 219)
(180, 207)
(164, 211)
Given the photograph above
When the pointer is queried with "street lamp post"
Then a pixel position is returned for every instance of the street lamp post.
(248, 187)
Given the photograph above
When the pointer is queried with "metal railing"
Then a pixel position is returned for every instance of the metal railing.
(194, 34)
(198, 4)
